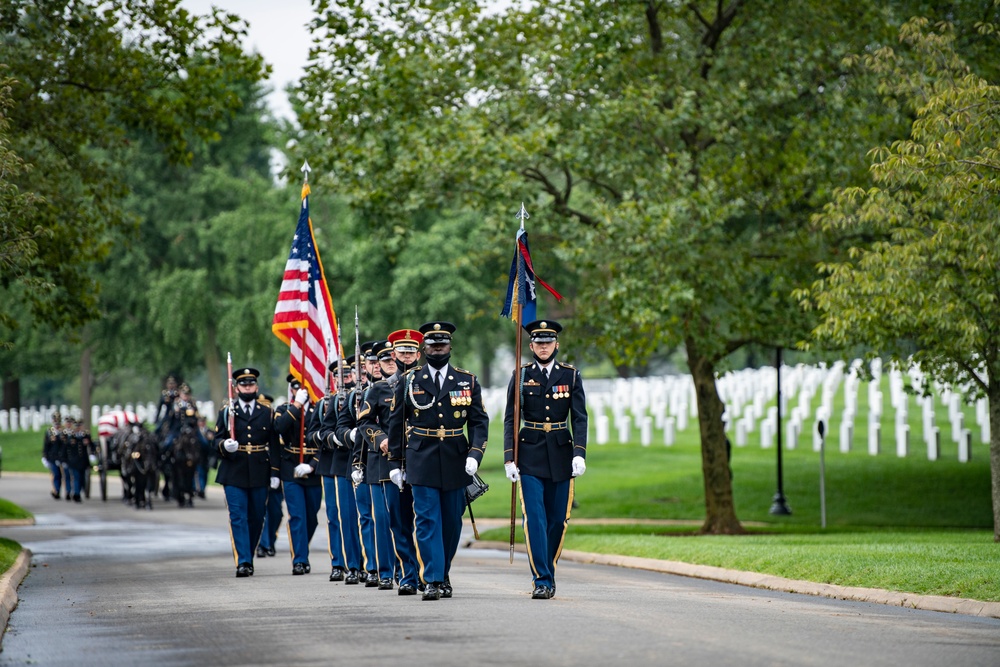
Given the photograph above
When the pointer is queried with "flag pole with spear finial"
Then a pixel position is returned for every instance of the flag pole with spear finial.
(522, 215)
(302, 343)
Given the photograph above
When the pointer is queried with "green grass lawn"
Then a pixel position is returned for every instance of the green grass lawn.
(9, 510)
(9, 550)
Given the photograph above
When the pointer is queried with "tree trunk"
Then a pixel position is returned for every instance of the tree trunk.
(213, 362)
(720, 513)
(994, 398)
(11, 393)
(86, 385)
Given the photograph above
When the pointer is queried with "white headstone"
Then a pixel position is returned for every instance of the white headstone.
(668, 431)
(646, 431)
(603, 427)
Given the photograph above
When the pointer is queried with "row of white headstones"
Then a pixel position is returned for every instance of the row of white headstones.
(667, 404)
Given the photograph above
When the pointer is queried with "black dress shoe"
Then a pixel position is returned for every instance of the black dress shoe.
(271, 551)
(250, 565)
(385, 585)
(363, 576)
(242, 570)
(261, 552)
(406, 589)
(352, 578)
(308, 568)
(55, 494)
(298, 568)
(541, 593)
(421, 587)
(446, 588)
(337, 574)
(372, 580)
(432, 592)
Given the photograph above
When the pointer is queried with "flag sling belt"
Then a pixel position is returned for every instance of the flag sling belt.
(441, 433)
(545, 426)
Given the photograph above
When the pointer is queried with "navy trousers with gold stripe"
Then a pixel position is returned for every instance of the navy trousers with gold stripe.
(545, 506)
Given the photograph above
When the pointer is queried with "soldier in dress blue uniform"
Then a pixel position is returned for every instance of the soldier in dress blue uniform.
(347, 432)
(272, 515)
(552, 447)
(294, 460)
(377, 464)
(432, 408)
(244, 465)
(343, 530)
(397, 354)
(53, 450)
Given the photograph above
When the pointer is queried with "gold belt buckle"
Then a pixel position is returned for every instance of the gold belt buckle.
(440, 433)
(547, 427)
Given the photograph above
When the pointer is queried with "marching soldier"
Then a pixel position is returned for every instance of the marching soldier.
(432, 409)
(52, 452)
(377, 465)
(396, 354)
(78, 450)
(165, 408)
(335, 469)
(552, 446)
(347, 431)
(294, 460)
(272, 514)
(244, 465)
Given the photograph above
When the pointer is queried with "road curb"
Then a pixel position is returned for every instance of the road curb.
(770, 582)
(9, 582)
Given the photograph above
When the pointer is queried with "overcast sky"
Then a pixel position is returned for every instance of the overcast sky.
(278, 32)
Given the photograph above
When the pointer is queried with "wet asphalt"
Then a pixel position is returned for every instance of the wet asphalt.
(111, 585)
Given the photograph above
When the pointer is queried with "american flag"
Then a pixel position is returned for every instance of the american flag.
(521, 287)
(305, 310)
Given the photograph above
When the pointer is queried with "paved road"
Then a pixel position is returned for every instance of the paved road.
(110, 585)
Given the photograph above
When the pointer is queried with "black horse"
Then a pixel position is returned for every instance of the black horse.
(185, 455)
(139, 454)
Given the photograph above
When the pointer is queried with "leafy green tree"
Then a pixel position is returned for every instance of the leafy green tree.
(88, 72)
(929, 273)
(675, 150)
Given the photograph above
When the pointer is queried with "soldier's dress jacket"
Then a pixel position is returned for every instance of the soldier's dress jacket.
(78, 447)
(427, 428)
(554, 421)
(346, 421)
(249, 466)
(372, 420)
(284, 451)
(53, 447)
(334, 458)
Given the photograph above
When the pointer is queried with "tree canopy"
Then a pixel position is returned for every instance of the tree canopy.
(925, 287)
(675, 151)
(86, 74)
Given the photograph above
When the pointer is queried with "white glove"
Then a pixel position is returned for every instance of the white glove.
(357, 476)
(354, 433)
(333, 441)
(231, 445)
(471, 466)
(579, 466)
(396, 477)
(513, 474)
(303, 469)
(302, 396)
(275, 482)
(45, 462)
(93, 459)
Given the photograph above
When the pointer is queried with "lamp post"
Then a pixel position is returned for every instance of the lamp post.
(778, 505)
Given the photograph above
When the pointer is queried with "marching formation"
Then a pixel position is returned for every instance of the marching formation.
(395, 452)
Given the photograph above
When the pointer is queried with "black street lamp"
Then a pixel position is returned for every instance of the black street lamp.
(778, 504)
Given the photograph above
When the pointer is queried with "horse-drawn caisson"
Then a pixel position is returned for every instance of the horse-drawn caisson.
(126, 445)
